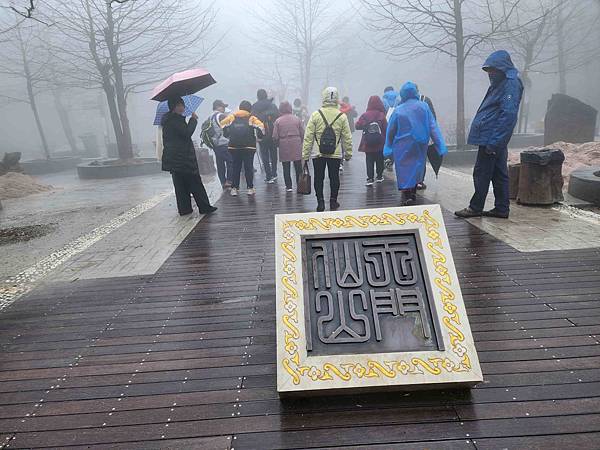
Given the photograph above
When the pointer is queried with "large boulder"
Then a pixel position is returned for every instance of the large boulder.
(11, 163)
(569, 120)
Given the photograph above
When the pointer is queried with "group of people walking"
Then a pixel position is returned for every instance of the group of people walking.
(399, 126)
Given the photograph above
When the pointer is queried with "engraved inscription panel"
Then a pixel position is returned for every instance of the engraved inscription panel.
(366, 294)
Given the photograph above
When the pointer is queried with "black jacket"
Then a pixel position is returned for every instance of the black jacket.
(267, 113)
(178, 149)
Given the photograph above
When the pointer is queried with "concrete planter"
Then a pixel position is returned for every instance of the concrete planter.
(585, 184)
(110, 168)
(45, 166)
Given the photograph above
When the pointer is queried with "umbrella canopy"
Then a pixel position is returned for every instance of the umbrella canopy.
(434, 158)
(192, 102)
(183, 83)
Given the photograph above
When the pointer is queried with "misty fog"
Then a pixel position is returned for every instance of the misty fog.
(356, 58)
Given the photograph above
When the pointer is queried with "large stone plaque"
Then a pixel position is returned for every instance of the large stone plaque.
(369, 298)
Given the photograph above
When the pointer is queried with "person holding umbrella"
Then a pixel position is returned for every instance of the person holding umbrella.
(179, 158)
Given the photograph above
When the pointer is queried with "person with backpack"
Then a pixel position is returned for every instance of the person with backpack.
(265, 110)
(242, 129)
(179, 158)
(328, 128)
(288, 134)
(374, 126)
(212, 137)
(410, 129)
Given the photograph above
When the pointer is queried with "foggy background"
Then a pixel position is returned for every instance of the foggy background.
(242, 60)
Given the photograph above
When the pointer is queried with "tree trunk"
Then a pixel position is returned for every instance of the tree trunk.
(562, 57)
(460, 76)
(65, 121)
(125, 146)
(31, 95)
(113, 111)
(38, 122)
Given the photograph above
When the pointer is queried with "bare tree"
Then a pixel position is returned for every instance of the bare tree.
(539, 44)
(455, 28)
(576, 42)
(22, 58)
(300, 32)
(124, 46)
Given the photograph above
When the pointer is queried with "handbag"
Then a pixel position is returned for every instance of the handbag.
(304, 181)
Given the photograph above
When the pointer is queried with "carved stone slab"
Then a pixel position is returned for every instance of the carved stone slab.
(369, 299)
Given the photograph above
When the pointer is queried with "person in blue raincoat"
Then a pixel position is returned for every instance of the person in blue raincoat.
(491, 130)
(389, 98)
(410, 128)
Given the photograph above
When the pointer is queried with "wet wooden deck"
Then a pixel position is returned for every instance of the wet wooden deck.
(185, 359)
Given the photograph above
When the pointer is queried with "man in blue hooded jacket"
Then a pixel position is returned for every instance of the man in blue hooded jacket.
(491, 130)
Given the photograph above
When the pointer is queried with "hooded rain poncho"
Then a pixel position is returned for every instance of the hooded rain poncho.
(410, 129)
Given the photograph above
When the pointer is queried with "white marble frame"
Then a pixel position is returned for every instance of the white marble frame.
(297, 372)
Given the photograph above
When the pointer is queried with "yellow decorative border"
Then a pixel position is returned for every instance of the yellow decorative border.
(374, 369)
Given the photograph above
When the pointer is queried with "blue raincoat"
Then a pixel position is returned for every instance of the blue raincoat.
(410, 128)
(496, 118)
(389, 99)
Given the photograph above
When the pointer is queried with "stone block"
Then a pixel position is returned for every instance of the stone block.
(569, 120)
(540, 177)
(369, 299)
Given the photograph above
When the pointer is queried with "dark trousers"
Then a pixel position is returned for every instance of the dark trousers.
(287, 169)
(494, 169)
(187, 184)
(374, 160)
(268, 154)
(333, 170)
(245, 158)
(224, 163)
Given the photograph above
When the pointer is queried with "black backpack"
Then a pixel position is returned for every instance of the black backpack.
(373, 134)
(329, 140)
(240, 133)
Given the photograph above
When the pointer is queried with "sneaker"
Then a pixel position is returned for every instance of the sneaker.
(234, 192)
(421, 186)
(341, 169)
(467, 213)
(274, 179)
(495, 213)
(369, 182)
(379, 179)
(251, 191)
(289, 189)
(320, 205)
(334, 205)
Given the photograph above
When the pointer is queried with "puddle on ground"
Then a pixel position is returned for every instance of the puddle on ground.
(23, 234)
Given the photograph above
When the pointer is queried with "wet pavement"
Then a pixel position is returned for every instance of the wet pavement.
(97, 228)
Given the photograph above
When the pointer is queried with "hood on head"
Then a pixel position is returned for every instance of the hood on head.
(245, 105)
(501, 60)
(390, 96)
(285, 108)
(409, 91)
(330, 96)
(375, 104)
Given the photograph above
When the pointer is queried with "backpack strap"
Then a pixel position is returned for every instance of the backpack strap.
(324, 119)
(336, 117)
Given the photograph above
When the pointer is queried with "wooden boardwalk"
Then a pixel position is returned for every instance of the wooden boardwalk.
(185, 359)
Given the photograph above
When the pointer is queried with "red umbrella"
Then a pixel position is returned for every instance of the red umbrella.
(182, 83)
